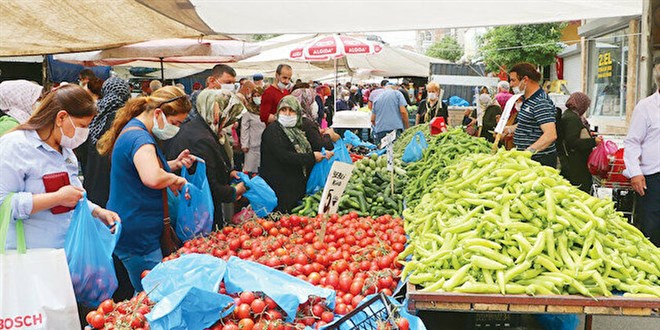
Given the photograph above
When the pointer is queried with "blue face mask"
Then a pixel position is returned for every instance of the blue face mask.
(165, 133)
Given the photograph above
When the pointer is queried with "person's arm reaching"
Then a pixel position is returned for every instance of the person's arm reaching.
(404, 116)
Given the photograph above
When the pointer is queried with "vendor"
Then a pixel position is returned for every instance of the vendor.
(286, 155)
(140, 173)
(432, 106)
(43, 145)
(200, 134)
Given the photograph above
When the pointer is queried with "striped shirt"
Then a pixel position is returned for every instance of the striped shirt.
(535, 111)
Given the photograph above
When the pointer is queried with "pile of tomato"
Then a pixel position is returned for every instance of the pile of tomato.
(129, 314)
(357, 257)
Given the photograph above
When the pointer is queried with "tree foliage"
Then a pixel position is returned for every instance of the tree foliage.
(447, 49)
(504, 46)
(262, 37)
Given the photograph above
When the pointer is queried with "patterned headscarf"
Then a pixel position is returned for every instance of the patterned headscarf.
(306, 98)
(579, 103)
(252, 107)
(230, 106)
(17, 98)
(295, 134)
(116, 92)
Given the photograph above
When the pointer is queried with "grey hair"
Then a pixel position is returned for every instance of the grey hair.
(503, 85)
(656, 75)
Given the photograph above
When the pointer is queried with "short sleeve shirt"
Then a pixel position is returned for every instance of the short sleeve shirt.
(139, 207)
(387, 110)
(535, 111)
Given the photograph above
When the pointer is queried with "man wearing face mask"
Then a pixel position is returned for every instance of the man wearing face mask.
(280, 88)
(432, 106)
(535, 130)
(222, 77)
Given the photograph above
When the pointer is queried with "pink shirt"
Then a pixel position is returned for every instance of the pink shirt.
(501, 98)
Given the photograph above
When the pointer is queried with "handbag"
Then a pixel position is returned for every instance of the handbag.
(35, 285)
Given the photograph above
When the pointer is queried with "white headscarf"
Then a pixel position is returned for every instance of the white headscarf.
(17, 98)
(484, 102)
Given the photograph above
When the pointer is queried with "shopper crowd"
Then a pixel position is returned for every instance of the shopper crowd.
(131, 150)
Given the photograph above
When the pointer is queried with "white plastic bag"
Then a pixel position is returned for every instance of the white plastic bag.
(35, 285)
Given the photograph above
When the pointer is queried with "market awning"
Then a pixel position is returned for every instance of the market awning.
(332, 16)
(37, 27)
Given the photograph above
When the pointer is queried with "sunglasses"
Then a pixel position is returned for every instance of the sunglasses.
(170, 100)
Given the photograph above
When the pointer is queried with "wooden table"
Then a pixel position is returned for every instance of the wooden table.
(524, 304)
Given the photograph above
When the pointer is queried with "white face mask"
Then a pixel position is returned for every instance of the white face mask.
(518, 89)
(283, 86)
(346, 98)
(257, 100)
(229, 87)
(315, 110)
(79, 136)
(433, 96)
(165, 133)
(287, 120)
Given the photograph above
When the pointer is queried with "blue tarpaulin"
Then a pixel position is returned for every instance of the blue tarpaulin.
(61, 71)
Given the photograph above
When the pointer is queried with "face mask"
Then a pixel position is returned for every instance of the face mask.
(433, 96)
(257, 100)
(165, 133)
(519, 89)
(79, 136)
(287, 121)
(346, 98)
(315, 110)
(283, 86)
(229, 87)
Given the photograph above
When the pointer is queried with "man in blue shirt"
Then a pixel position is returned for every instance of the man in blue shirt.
(535, 130)
(389, 113)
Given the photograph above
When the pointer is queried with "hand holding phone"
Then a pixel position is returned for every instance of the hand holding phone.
(55, 182)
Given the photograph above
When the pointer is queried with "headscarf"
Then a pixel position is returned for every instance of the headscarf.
(252, 107)
(579, 103)
(484, 102)
(230, 106)
(306, 98)
(17, 98)
(116, 92)
(295, 134)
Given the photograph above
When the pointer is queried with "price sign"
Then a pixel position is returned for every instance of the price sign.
(388, 139)
(334, 188)
(387, 142)
(499, 129)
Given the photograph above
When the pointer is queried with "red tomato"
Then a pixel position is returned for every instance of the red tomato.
(107, 306)
(327, 317)
(246, 324)
(242, 311)
(230, 326)
(137, 320)
(97, 321)
(402, 324)
(314, 278)
(317, 310)
(345, 283)
(356, 300)
(258, 306)
(356, 288)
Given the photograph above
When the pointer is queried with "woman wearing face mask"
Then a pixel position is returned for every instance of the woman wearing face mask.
(491, 111)
(343, 102)
(251, 129)
(286, 155)
(43, 145)
(432, 106)
(200, 134)
(18, 99)
(317, 138)
(140, 173)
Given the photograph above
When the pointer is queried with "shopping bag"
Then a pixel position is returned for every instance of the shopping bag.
(190, 308)
(598, 161)
(438, 125)
(354, 140)
(318, 175)
(341, 152)
(245, 214)
(194, 206)
(261, 196)
(89, 244)
(415, 148)
(35, 286)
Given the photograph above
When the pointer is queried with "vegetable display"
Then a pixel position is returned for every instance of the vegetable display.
(505, 224)
(443, 150)
(369, 190)
(402, 141)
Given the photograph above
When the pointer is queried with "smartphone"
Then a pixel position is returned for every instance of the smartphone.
(53, 182)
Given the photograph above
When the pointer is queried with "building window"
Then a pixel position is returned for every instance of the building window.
(608, 65)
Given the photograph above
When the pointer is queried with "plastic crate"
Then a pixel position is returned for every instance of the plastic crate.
(367, 316)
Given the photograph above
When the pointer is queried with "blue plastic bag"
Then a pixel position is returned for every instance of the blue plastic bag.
(190, 308)
(194, 216)
(415, 149)
(89, 244)
(202, 271)
(319, 174)
(341, 153)
(354, 140)
(261, 196)
(287, 291)
(459, 102)
(558, 321)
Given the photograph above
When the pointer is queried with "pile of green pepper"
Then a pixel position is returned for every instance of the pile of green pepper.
(505, 224)
(443, 150)
(404, 139)
(369, 190)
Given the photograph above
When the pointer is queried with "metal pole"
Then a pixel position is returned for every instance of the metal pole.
(162, 72)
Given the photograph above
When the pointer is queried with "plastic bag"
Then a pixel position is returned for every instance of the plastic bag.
(558, 321)
(243, 215)
(261, 196)
(354, 140)
(287, 291)
(319, 174)
(194, 215)
(204, 272)
(190, 308)
(598, 162)
(457, 101)
(415, 149)
(89, 244)
(341, 153)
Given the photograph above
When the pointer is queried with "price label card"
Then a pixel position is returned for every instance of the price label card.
(390, 157)
(388, 139)
(506, 114)
(334, 188)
